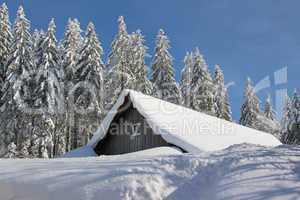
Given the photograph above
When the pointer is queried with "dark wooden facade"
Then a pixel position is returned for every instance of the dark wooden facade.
(128, 132)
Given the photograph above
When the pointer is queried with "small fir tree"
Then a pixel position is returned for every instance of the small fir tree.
(202, 87)
(222, 109)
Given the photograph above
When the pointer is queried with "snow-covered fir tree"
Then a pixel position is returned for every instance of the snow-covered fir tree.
(11, 151)
(286, 119)
(118, 73)
(24, 149)
(50, 60)
(292, 136)
(250, 108)
(49, 92)
(202, 87)
(70, 47)
(163, 77)
(37, 40)
(271, 124)
(139, 69)
(222, 105)
(14, 117)
(5, 43)
(88, 89)
(268, 111)
(252, 117)
(186, 78)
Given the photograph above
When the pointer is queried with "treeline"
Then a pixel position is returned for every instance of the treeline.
(54, 94)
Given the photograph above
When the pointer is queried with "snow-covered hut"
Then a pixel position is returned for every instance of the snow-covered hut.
(138, 122)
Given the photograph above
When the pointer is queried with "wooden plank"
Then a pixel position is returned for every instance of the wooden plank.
(122, 143)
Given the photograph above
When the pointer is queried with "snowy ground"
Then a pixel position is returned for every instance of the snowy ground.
(239, 172)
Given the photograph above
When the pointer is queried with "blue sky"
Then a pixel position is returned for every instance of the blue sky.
(248, 38)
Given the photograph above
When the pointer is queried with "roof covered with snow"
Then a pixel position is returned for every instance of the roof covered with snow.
(191, 130)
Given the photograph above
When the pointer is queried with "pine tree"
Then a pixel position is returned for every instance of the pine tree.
(50, 59)
(163, 77)
(11, 151)
(269, 112)
(37, 39)
(5, 43)
(250, 108)
(89, 67)
(24, 149)
(222, 104)
(202, 87)
(186, 78)
(19, 58)
(138, 66)
(286, 120)
(18, 73)
(269, 121)
(49, 73)
(118, 74)
(43, 151)
(88, 89)
(70, 47)
(34, 143)
(293, 134)
(49, 91)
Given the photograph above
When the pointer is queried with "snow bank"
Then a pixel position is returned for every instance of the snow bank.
(85, 151)
(159, 151)
(242, 172)
(193, 131)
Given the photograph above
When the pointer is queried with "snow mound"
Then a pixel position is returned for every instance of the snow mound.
(85, 151)
(242, 172)
(159, 151)
(190, 130)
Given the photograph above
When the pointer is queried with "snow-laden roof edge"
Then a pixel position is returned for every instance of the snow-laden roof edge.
(190, 139)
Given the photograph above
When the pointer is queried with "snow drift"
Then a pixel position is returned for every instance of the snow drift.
(192, 131)
(240, 172)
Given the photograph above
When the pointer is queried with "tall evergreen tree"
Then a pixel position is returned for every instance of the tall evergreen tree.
(118, 73)
(250, 108)
(5, 43)
(223, 109)
(38, 38)
(293, 133)
(49, 92)
(70, 48)
(138, 66)
(271, 125)
(18, 73)
(286, 120)
(163, 77)
(88, 94)
(186, 78)
(202, 87)
(71, 45)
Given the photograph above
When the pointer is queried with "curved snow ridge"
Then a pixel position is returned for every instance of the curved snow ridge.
(242, 172)
(245, 172)
(188, 129)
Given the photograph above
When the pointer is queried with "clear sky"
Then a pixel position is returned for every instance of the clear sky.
(251, 38)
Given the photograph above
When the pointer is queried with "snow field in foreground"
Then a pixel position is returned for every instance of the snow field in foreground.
(243, 172)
